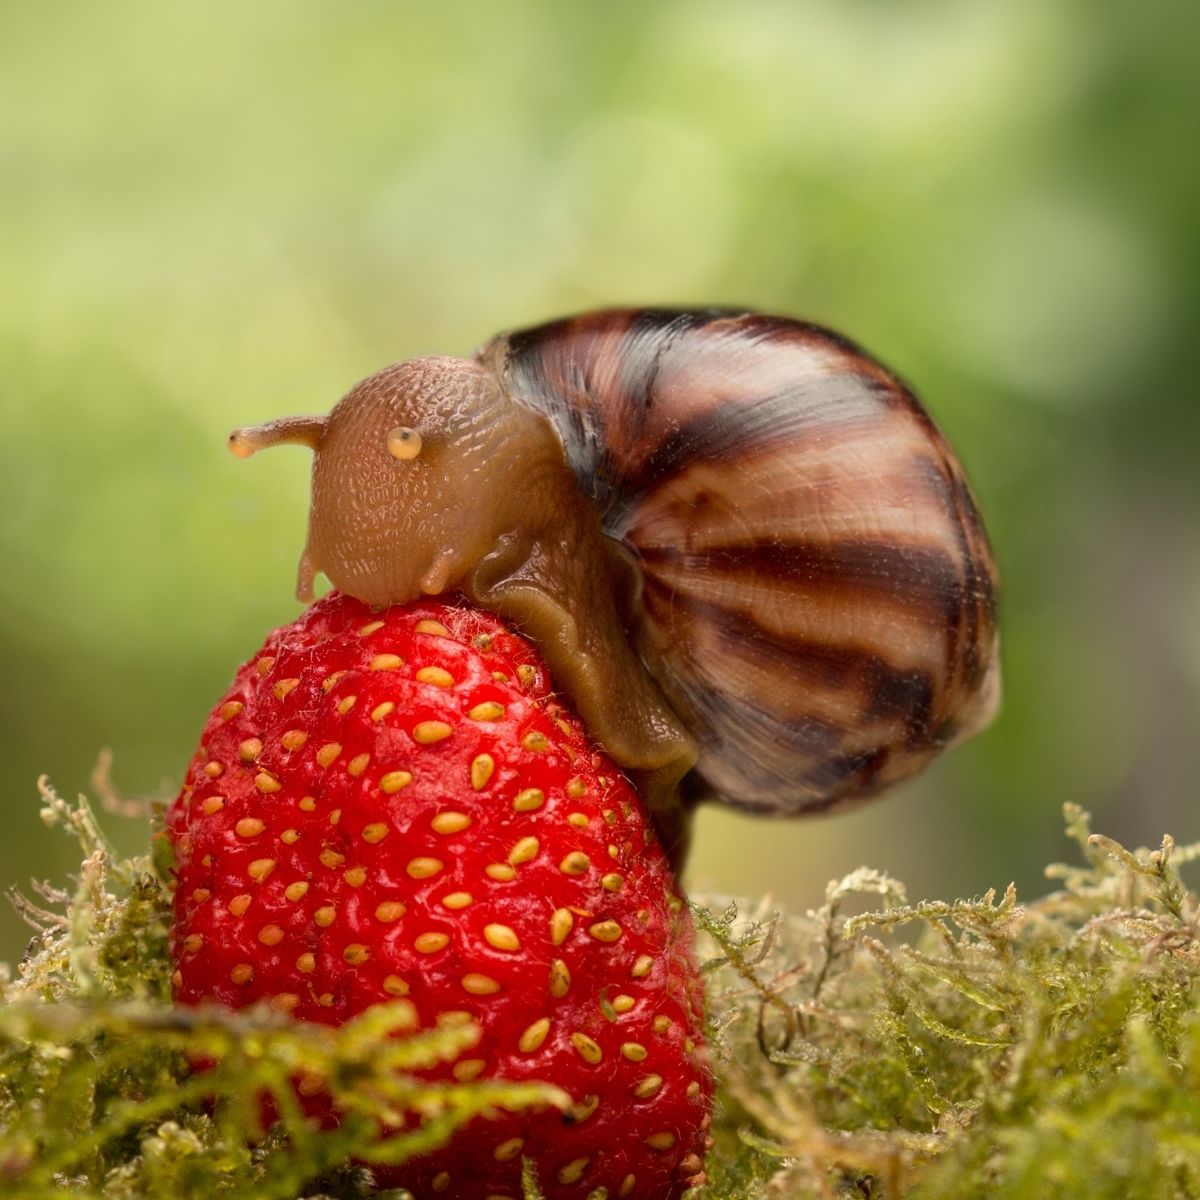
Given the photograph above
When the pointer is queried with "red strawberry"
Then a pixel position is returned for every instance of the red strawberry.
(392, 804)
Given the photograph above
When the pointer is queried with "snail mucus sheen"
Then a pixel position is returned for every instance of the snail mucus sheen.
(748, 555)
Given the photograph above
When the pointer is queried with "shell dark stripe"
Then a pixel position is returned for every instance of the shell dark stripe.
(818, 587)
(807, 717)
(832, 615)
(733, 432)
(644, 391)
(796, 498)
(979, 636)
(977, 632)
(918, 577)
(650, 336)
(801, 674)
(776, 766)
(769, 783)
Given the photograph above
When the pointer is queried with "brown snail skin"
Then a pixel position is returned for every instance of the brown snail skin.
(746, 552)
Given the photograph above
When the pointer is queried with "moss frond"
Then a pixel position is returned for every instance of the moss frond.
(1001, 1049)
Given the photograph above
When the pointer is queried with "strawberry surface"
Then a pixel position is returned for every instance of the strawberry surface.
(392, 806)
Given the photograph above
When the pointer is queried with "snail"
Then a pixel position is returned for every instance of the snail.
(746, 552)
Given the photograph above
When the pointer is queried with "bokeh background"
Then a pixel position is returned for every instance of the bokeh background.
(214, 214)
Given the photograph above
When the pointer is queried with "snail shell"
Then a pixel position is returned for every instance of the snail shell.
(741, 544)
(818, 593)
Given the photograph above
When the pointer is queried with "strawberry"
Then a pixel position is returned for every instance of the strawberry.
(392, 804)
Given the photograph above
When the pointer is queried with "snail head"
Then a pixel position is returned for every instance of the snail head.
(411, 471)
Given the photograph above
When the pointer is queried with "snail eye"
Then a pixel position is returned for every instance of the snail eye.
(404, 443)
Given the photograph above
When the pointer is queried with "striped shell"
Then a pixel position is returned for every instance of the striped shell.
(818, 590)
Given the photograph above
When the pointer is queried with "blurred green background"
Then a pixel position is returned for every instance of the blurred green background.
(214, 214)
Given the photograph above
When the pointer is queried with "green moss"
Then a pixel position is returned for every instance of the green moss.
(933, 1051)
(999, 1049)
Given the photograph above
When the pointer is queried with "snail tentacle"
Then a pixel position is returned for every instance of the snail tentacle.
(298, 431)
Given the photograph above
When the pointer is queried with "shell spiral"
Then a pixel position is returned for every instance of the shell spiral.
(817, 590)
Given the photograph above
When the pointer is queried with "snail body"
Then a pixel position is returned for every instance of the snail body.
(747, 553)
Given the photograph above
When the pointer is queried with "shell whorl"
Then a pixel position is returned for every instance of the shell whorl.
(818, 590)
